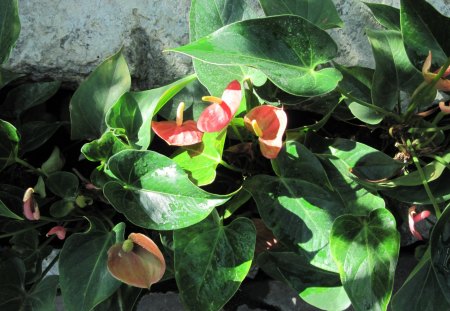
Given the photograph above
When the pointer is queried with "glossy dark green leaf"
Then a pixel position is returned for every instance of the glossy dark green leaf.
(103, 148)
(12, 291)
(287, 49)
(95, 95)
(364, 161)
(319, 288)
(211, 261)
(36, 133)
(207, 16)
(424, 29)
(62, 208)
(84, 278)
(6, 212)
(356, 199)
(386, 15)
(29, 95)
(365, 249)
(297, 211)
(393, 71)
(9, 144)
(201, 160)
(9, 27)
(54, 163)
(296, 161)
(440, 252)
(321, 13)
(421, 291)
(63, 184)
(152, 191)
(124, 299)
(356, 85)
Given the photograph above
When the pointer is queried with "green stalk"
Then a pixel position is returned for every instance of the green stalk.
(6, 235)
(230, 167)
(424, 181)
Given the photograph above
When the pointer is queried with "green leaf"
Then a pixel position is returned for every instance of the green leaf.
(63, 184)
(35, 134)
(298, 213)
(421, 291)
(5, 212)
(152, 191)
(356, 85)
(54, 163)
(440, 248)
(212, 260)
(9, 144)
(30, 95)
(84, 278)
(317, 287)
(103, 148)
(9, 27)
(95, 95)
(207, 16)
(386, 15)
(424, 29)
(125, 298)
(42, 297)
(321, 13)
(393, 71)
(364, 161)
(365, 249)
(286, 48)
(201, 160)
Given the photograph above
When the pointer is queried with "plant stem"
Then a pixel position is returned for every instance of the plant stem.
(23, 230)
(44, 273)
(230, 167)
(424, 180)
(29, 166)
(236, 132)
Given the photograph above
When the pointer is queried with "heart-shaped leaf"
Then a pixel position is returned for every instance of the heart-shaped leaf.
(393, 70)
(321, 13)
(9, 27)
(365, 249)
(84, 277)
(424, 29)
(207, 16)
(5, 212)
(201, 160)
(211, 261)
(317, 287)
(421, 291)
(152, 191)
(63, 184)
(276, 46)
(9, 144)
(95, 95)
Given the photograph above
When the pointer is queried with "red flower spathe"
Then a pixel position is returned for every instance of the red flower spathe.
(442, 84)
(268, 123)
(218, 115)
(178, 133)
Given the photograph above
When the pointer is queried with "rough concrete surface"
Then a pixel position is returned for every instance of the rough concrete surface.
(67, 39)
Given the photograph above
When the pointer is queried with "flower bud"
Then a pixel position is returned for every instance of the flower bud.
(30, 206)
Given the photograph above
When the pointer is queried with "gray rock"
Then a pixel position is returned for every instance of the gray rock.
(66, 40)
(160, 302)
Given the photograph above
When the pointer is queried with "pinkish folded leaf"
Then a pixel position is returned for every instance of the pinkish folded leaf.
(269, 124)
(442, 84)
(60, 232)
(414, 218)
(218, 115)
(30, 206)
(137, 261)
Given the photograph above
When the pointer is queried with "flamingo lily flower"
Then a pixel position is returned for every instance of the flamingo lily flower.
(218, 115)
(30, 206)
(60, 232)
(442, 84)
(268, 123)
(137, 261)
(178, 133)
(414, 218)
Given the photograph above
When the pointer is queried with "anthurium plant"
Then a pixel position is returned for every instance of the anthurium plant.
(271, 156)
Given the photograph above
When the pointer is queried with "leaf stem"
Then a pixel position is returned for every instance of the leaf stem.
(6, 235)
(230, 167)
(29, 166)
(424, 180)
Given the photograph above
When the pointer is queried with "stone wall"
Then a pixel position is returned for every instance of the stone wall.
(66, 39)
